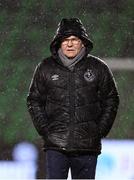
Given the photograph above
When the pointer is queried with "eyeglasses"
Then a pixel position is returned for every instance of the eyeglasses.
(74, 41)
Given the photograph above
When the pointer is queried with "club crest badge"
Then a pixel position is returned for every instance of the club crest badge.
(88, 75)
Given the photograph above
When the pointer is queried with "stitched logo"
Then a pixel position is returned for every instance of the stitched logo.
(55, 77)
(88, 75)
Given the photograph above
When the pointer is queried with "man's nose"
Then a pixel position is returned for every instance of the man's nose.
(70, 42)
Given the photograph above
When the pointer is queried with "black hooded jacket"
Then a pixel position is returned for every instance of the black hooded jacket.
(73, 110)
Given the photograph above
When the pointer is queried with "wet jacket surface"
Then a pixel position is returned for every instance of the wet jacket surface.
(73, 110)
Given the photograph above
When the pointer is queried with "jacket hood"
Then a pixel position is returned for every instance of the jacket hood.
(66, 28)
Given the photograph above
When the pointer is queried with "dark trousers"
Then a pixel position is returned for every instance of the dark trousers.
(82, 166)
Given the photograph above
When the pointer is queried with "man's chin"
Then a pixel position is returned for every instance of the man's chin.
(70, 56)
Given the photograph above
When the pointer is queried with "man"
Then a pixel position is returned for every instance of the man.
(73, 101)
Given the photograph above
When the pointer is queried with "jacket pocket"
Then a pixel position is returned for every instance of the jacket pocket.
(93, 129)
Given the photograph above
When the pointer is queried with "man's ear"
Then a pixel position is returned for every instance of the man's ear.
(82, 45)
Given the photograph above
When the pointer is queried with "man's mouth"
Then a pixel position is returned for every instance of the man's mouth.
(70, 49)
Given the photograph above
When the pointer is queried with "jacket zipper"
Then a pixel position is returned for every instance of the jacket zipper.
(72, 106)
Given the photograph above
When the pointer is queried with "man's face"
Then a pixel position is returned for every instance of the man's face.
(71, 46)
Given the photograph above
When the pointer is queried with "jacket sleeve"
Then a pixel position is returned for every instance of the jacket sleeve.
(109, 100)
(36, 100)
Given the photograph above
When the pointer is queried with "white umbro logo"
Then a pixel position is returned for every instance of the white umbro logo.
(55, 77)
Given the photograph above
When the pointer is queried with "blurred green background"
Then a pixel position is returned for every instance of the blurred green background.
(26, 30)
